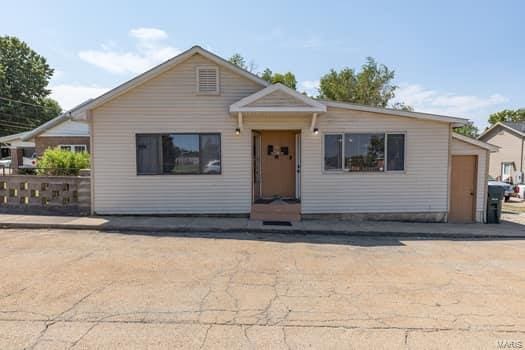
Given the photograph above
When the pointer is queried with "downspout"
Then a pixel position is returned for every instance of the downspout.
(521, 159)
(91, 160)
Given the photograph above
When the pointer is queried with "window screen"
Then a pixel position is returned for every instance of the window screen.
(333, 152)
(148, 154)
(396, 152)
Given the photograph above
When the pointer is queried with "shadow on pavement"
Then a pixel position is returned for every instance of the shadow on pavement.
(335, 239)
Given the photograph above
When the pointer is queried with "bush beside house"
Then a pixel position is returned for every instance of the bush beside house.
(56, 161)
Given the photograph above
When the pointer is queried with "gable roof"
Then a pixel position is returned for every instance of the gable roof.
(303, 103)
(53, 122)
(161, 68)
(475, 142)
(312, 105)
(518, 128)
(455, 121)
(13, 137)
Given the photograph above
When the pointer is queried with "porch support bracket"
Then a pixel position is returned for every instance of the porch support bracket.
(314, 121)
(239, 121)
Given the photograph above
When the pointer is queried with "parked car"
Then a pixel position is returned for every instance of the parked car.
(27, 162)
(5, 162)
(213, 167)
(509, 189)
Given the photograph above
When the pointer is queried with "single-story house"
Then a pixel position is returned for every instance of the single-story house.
(62, 131)
(506, 164)
(199, 135)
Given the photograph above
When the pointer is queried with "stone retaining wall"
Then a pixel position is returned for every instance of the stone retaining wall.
(50, 195)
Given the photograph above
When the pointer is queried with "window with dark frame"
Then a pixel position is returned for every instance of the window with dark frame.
(178, 153)
(364, 152)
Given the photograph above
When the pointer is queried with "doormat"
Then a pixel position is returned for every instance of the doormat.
(277, 223)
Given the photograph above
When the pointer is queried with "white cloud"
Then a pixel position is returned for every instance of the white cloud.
(476, 108)
(71, 95)
(311, 87)
(150, 50)
(148, 34)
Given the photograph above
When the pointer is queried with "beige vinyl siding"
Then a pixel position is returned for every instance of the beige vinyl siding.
(422, 187)
(278, 99)
(462, 148)
(169, 103)
(510, 150)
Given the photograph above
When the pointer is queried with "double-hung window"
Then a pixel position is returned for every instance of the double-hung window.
(74, 148)
(364, 152)
(178, 153)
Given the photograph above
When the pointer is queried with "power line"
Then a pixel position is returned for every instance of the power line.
(30, 125)
(13, 118)
(15, 127)
(25, 103)
(16, 123)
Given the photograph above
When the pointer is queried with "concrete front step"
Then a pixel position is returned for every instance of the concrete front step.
(276, 212)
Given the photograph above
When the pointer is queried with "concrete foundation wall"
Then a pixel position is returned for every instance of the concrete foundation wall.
(32, 194)
(412, 217)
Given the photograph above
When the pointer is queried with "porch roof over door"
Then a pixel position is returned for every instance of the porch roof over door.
(277, 98)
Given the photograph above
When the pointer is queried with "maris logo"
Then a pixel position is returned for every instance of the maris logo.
(510, 344)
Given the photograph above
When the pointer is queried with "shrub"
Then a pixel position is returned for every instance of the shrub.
(56, 161)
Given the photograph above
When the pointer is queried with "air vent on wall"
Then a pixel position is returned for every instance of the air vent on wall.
(208, 80)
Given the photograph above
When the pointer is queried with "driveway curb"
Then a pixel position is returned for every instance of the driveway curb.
(273, 230)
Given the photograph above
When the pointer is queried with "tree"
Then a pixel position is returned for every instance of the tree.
(371, 86)
(402, 107)
(238, 60)
(507, 115)
(469, 130)
(24, 77)
(287, 78)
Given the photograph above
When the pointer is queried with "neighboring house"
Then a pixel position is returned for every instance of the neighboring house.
(507, 164)
(61, 132)
(198, 135)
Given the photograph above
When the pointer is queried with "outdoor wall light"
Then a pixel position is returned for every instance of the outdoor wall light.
(316, 131)
(237, 131)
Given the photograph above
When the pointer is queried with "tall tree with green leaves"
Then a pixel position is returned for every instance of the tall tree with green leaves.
(24, 96)
(287, 78)
(238, 60)
(469, 130)
(507, 115)
(372, 85)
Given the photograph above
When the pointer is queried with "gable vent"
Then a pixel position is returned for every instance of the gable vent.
(208, 80)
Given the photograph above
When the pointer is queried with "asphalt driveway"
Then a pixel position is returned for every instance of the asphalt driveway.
(87, 289)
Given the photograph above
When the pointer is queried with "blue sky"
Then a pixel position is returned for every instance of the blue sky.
(461, 58)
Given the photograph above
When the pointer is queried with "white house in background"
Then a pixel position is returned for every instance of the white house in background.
(198, 135)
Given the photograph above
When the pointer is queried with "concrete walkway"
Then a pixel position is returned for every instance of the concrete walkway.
(512, 226)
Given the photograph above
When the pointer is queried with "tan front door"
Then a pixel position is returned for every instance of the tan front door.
(463, 189)
(278, 164)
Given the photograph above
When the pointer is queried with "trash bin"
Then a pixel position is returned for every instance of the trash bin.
(494, 199)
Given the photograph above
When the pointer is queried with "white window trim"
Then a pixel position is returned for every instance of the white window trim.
(344, 170)
(217, 87)
(72, 147)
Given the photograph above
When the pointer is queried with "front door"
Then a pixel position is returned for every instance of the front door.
(278, 164)
(463, 189)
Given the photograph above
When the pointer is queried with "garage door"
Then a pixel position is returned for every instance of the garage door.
(463, 189)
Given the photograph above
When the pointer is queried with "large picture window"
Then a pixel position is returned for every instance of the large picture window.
(364, 152)
(178, 153)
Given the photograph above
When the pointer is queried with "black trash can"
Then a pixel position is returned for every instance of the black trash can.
(494, 200)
